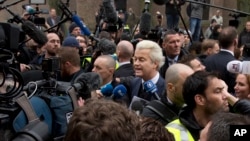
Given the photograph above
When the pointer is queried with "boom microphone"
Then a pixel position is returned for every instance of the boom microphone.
(239, 67)
(151, 88)
(110, 13)
(83, 27)
(34, 33)
(119, 91)
(89, 80)
(145, 23)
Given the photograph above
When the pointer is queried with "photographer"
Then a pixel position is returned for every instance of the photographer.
(50, 49)
(70, 64)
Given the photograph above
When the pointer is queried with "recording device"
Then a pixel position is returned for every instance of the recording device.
(33, 32)
(51, 64)
(151, 88)
(34, 15)
(110, 13)
(237, 15)
(145, 21)
(90, 80)
(82, 26)
(239, 67)
(34, 131)
(107, 90)
(119, 91)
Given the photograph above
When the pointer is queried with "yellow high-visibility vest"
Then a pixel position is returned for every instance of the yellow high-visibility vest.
(179, 131)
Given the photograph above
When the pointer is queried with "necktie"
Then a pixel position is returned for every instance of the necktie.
(171, 62)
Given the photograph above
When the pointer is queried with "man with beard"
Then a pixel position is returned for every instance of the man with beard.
(48, 50)
(70, 64)
(204, 95)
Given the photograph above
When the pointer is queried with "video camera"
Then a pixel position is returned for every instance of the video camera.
(33, 14)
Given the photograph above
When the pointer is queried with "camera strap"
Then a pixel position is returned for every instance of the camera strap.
(73, 95)
(25, 104)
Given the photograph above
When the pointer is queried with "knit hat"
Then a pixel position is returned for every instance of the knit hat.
(70, 42)
(72, 27)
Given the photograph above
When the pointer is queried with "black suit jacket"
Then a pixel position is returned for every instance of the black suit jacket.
(124, 71)
(218, 63)
(50, 23)
(164, 68)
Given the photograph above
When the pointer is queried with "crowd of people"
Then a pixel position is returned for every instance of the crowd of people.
(194, 97)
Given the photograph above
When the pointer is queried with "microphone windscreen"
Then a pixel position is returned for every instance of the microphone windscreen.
(110, 13)
(160, 2)
(34, 33)
(246, 67)
(82, 26)
(145, 23)
(150, 87)
(107, 90)
(119, 91)
(90, 79)
(234, 66)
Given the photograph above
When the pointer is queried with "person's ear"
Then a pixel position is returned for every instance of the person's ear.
(171, 87)
(200, 99)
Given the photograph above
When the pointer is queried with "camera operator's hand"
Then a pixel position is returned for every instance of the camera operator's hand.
(24, 67)
(25, 16)
(80, 102)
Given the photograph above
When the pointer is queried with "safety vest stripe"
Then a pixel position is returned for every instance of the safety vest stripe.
(183, 131)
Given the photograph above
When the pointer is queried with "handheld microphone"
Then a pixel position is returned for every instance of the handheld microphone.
(119, 91)
(160, 2)
(110, 13)
(107, 90)
(137, 106)
(34, 33)
(83, 27)
(151, 88)
(239, 67)
(145, 23)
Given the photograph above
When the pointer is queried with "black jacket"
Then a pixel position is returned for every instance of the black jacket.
(164, 68)
(188, 120)
(165, 106)
(172, 9)
(244, 38)
(242, 106)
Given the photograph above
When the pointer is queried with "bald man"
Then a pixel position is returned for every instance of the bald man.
(172, 102)
(124, 52)
(105, 66)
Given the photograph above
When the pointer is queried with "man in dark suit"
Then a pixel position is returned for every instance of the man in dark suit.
(148, 58)
(172, 47)
(218, 62)
(124, 52)
(53, 19)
